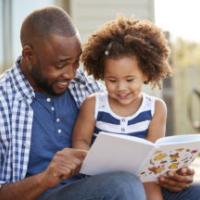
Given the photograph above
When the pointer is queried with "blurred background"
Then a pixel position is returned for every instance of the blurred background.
(179, 20)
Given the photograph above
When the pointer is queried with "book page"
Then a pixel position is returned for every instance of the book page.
(188, 138)
(114, 152)
(171, 154)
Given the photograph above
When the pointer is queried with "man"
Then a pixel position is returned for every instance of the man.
(39, 101)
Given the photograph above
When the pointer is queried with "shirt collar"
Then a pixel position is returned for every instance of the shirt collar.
(80, 77)
(21, 84)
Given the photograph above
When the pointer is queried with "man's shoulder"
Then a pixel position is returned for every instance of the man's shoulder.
(4, 80)
(83, 85)
(86, 82)
(6, 87)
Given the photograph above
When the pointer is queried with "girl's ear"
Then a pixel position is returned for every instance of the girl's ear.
(145, 82)
(145, 79)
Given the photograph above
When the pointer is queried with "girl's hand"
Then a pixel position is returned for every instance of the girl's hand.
(178, 180)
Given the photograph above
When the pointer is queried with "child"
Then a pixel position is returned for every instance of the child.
(125, 54)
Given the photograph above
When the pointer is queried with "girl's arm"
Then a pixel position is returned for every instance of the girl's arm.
(157, 126)
(157, 130)
(153, 191)
(84, 126)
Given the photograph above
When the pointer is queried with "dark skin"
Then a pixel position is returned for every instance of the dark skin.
(51, 64)
(55, 61)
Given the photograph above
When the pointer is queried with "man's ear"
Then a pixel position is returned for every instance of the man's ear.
(27, 53)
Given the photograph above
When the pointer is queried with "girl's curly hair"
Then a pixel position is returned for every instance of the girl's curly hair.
(128, 37)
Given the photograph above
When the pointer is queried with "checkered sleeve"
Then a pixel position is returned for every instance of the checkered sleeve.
(5, 158)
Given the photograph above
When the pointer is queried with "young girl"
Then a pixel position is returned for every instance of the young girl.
(125, 53)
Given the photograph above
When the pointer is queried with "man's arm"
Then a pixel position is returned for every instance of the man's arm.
(29, 188)
(64, 164)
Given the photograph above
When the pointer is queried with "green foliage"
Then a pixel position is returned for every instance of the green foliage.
(185, 53)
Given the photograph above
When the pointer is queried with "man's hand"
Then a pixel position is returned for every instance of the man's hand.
(65, 163)
(177, 181)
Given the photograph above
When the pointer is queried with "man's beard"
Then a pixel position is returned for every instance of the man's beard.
(42, 83)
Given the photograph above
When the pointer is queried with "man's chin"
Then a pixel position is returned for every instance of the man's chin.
(54, 91)
(59, 89)
(58, 92)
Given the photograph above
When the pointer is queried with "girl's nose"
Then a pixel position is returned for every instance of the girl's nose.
(121, 86)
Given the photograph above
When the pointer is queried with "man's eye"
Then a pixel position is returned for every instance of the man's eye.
(60, 66)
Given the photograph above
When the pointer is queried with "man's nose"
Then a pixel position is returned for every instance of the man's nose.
(69, 72)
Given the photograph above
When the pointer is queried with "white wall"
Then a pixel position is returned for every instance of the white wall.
(88, 15)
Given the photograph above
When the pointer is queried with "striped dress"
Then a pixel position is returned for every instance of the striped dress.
(134, 125)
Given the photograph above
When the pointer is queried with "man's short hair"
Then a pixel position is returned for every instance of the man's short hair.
(44, 22)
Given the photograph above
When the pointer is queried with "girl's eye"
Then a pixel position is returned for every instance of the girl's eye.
(130, 80)
(112, 81)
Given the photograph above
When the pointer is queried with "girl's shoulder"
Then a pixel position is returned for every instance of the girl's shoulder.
(153, 102)
(95, 97)
(152, 99)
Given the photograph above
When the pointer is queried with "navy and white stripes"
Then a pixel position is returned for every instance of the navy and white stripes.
(135, 125)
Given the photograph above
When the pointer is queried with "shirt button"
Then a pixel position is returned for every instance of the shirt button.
(122, 129)
(48, 99)
(59, 131)
(52, 108)
(57, 119)
(123, 120)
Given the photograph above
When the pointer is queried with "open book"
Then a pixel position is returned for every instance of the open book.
(114, 152)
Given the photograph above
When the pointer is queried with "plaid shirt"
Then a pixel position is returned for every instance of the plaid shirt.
(16, 116)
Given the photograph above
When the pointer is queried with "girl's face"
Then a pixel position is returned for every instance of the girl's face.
(123, 79)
